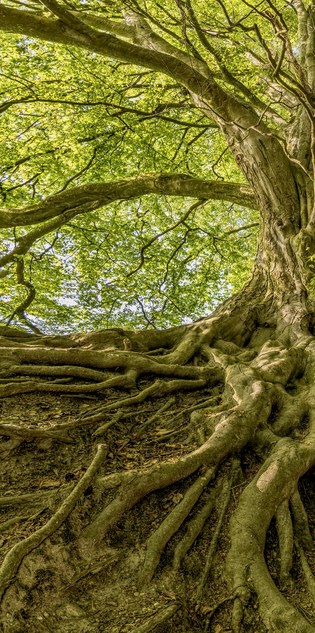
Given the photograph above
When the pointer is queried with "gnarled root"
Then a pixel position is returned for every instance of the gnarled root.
(271, 488)
(245, 399)
(232, 432)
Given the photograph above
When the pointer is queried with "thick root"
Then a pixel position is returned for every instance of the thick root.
(285, 536)
(157, 542)
(232, 432)
(272, 486)
(251, 403)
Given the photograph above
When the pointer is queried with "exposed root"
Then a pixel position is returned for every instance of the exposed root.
(231, 434)
(272, 486)
(194, 528)
(252, 404)
(285, 536)
(225, 497)
(18, 518)
(29, 434)
(301, 526)
(118, 478)
(65, 370)
(156, 416)
(177, 416)
(239, 603)
(14, 557)
(278, 364)
(104, 427)
(157, 389)
(308, 574)
(213, 610)
(32, 497)
(158, 540)
(56, 386)
(184, 351)
(94, 567)
(125, 360)
(291, 415)
(162, 615)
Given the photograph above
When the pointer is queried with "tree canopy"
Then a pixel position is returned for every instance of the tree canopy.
(71, 118)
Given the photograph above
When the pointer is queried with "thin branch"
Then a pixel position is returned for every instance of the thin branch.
(174, 63)
(79, 173)
(31, 293)
(159, 235)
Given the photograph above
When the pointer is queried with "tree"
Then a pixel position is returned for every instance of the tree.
(229, 396)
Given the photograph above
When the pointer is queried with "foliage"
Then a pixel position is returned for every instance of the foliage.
(69, 118)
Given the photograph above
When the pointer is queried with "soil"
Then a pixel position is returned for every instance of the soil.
(54, 590)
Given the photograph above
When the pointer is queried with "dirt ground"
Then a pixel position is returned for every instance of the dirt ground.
(54, 590)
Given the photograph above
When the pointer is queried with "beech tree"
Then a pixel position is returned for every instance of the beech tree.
(195, 511)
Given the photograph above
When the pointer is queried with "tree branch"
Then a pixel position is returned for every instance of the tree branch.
(67, 31)
(89, 197)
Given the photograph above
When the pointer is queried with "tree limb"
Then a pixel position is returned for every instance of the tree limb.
(68, 31)
(89, 197)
